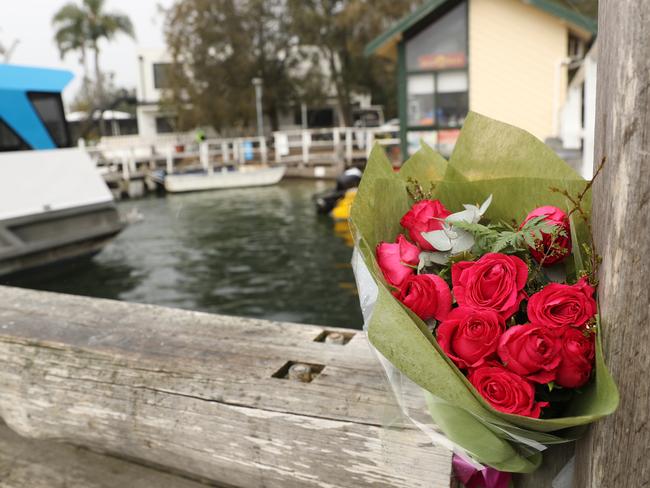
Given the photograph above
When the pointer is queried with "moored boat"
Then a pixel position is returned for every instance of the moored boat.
(241, 177)
(328, 200)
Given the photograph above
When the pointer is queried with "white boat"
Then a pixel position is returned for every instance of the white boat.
(242, 177)
(54, 206)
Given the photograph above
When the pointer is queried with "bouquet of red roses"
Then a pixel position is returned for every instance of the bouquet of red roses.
(490, 308)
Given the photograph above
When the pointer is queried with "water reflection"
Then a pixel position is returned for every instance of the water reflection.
(80, 278)
(342, 230)
(255, 252)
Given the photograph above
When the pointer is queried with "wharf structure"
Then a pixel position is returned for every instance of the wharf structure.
(99, 393)
(129, 163)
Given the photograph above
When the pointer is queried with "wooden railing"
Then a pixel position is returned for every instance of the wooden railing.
(226, 400)
(333, 147)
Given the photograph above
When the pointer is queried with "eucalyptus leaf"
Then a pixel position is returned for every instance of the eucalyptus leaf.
(428, 258)
(439, 239)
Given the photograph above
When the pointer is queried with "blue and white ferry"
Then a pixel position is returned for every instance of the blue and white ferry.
(54, 205)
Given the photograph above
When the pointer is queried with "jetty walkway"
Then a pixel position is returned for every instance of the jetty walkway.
(100, 394)
(129, 163)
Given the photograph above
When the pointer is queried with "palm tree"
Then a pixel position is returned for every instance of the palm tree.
(71, 36)
(81, 27)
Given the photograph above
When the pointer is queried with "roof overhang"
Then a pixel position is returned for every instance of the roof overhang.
(385, 44)
(27, 78)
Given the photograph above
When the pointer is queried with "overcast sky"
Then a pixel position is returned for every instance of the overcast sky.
(30, 22)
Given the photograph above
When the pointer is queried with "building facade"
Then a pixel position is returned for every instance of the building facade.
(155, 121)
(507, 59)
(153, 65)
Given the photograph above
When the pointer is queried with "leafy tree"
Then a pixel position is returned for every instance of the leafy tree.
(303, 50)
(71, 37)
(341, 29)
(218, 47)
(81, 27)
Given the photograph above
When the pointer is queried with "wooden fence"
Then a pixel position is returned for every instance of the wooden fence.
(318, 153)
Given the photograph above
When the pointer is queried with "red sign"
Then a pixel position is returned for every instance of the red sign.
(448, 136)
(442, 61)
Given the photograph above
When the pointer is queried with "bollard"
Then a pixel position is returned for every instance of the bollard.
(300, 372)
(335, 338)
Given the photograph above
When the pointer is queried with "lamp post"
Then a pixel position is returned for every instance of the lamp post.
(257, 83)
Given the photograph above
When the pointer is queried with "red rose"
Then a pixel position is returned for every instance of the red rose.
(577, 354)
(495, 281)
(470, 336)
(559, 306)
(561, 244)
(506, 391)
(393, 259)
(531, 351)
(424, 216)
(427, 295)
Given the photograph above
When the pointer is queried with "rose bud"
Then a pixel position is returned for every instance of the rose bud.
(506, 391)
(531, 351)
(561, 243)
(577, 354)
(427, 295)
(558, 305)
(496, 281)
(424, 216)
(470, 336)
(394, 260)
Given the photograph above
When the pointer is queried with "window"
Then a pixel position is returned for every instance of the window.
(437, 84)
(9, 140)
(576, 48)
(451, 98)
(320, 117)
(161, 75)
(49, 108)
(164, 125)
(316, 117)
(421, 90)
(576, 51)
(442, 44)
(437, 99)
(436, 64)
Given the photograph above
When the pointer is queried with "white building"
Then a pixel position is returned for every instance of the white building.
(152, 80)
(154, 121)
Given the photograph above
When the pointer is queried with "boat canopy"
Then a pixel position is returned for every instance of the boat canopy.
(31, 109)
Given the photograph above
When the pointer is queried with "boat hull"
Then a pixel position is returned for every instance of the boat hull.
(39, 240)
(224, 179)
(54, 206)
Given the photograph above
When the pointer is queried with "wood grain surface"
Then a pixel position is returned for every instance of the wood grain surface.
(205, 394)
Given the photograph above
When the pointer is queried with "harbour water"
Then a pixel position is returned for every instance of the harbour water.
(260, 252)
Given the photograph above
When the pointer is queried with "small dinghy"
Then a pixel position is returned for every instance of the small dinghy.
(242, 177)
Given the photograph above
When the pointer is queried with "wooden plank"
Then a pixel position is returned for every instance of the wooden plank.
(196, 392)
(250, 351)
(45, 464)
(616, 451)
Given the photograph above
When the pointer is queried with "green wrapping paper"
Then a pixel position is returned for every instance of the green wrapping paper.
(494, 158)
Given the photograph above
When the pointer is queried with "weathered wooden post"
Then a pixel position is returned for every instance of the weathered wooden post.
(616, 451)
